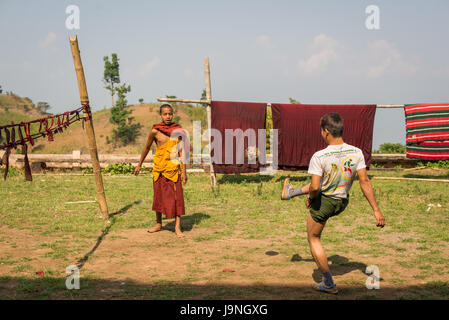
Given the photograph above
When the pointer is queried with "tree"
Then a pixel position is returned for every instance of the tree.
(126, 131)
(1, 90)
(388, 148)
(111, 74)
(141, 100)
(203, 97)
(43, 106)
(293, 101)
(171, 97)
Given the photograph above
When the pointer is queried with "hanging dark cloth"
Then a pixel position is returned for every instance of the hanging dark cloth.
(235, 116)
(300, 134)
(13, 143)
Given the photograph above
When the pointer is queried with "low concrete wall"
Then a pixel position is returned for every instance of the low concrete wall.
(76, 160)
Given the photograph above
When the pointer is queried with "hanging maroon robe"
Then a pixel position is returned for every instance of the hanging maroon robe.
(238, 115)
(300, 131)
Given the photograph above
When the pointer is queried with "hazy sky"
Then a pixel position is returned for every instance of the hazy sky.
(260, 51)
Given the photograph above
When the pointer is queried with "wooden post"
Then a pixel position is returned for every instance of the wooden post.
(213, 178)
(89, 125)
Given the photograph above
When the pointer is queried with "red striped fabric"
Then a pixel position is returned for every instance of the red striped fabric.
(428, 155)
(429, 150)
(427, 127)
(426, 122)
(424, 107)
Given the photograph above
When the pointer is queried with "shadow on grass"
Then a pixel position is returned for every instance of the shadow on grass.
(95, 288)
(187, 222)
(293, 178)
(338, 266)
(241, 178)
(426, 176)
(112, 217)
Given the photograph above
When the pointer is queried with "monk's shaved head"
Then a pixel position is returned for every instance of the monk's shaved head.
(165, 105)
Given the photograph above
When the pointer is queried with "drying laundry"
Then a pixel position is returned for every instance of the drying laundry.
(427, 122)
(427, 131)
(299, 131)
(242, 152)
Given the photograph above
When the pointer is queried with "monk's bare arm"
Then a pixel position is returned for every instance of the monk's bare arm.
(146, 149)
(183, 163)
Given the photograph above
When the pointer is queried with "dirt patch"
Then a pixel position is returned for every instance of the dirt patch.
(137, 257)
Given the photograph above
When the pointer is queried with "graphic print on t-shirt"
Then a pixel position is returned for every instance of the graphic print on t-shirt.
(348, 166)
(340, 176)
(337, 165)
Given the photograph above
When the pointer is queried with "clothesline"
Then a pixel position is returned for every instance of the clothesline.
(389, 106)
(48, 126)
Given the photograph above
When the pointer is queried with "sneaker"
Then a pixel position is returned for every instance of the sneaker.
(323, 288)
(285, 195)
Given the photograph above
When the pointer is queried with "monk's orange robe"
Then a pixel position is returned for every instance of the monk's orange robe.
(168, 196)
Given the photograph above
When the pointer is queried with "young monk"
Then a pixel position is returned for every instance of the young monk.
(168, 170)
(333, 170)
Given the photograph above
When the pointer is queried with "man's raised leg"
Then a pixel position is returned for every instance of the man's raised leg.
(289, 192)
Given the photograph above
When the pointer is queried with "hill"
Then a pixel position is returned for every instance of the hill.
(14, 108)
(17, 109)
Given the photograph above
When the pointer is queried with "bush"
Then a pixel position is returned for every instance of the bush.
(117, 168)
(12, 172)
(120, 168)
(442, 164)
(390, 148)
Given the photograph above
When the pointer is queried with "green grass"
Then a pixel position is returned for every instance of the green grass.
(242, 207)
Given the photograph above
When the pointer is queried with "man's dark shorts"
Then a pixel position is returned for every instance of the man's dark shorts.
(324, 207)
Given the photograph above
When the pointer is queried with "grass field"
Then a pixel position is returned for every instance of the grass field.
(242, 241)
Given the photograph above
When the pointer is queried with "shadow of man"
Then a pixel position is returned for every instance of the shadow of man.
(338, 266)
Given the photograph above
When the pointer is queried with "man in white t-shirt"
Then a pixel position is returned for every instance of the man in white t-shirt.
(333, 170)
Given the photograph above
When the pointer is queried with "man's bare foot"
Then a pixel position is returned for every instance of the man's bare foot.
(156, 228)
(179, 233)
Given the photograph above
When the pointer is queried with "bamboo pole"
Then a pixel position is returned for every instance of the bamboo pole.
(213, 178)
(381, 106)
(183, 100)
(389, 106)
(410, 179)
(89, 125)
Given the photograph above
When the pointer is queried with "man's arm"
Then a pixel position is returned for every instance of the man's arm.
(146, 149)
(314, 188)
(368, 192)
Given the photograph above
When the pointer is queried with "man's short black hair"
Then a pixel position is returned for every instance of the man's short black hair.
(333, 122)
(165, 105)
